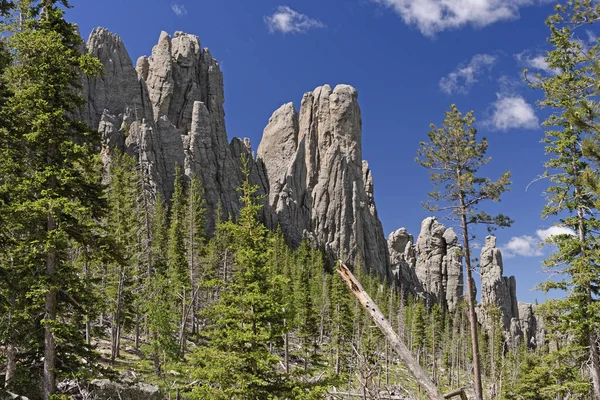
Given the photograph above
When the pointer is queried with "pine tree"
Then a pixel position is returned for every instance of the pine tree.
(453, 157)
(176, 256)
(122, 225)
(196, 248)
(160, 236)
(306, 315)
(58, 187)
(177, 263)
(247, 319)
(341, 325)
(572, 137)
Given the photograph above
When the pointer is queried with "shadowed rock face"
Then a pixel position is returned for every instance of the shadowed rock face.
(318, 182)
(401, 248)
(168, 111)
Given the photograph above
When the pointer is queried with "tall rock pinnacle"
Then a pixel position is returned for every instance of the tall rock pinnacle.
(318, 182)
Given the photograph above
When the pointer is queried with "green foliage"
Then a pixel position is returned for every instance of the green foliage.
(306, 314)
(247, 318)
(176, 256)
(572, 146)
(453, 157)
(50, 189)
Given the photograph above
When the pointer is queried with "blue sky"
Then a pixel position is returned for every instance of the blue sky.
(409, 60)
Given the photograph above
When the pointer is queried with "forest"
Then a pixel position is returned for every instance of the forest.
(104, 279)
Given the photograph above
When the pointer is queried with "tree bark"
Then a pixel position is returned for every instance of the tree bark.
(116, 325)
(11, 363)
(471, 303)
(368, 304)
(50, 316)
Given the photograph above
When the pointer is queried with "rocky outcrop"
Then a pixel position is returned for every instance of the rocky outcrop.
(403, 260)
(532, 326)
(318, 181)
(452, 270)
(519, 320)
(168, 112)
(433, 266)
(497, 290)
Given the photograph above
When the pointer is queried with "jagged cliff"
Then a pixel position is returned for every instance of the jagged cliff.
(433, 268)
(168, 112)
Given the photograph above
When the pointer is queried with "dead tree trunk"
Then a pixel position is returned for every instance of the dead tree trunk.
(368, 304)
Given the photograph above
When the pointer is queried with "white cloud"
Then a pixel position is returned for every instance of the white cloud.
(179, 9)
(465, 75)
(536, 63)
(526, 246)
(512, 112)
(544, 234)
(433, 16)
(529, 246)
(286, 20)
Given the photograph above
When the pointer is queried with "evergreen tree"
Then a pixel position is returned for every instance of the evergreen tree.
(122, 225)
(453, 157)
(176, 256)
(196, 248)
(57, 188)
(306, 315)
(341, 325)
(160, 236)
(237, 363)
(571, 94)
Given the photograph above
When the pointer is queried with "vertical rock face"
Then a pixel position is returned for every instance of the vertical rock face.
(452, 270)
(438, 265)
(519, 319)
(318, 181)
(431, 249)
(403, 261)
(168, 112)
(497, 290)
(531, 325)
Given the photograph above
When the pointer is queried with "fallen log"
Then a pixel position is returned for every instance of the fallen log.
(458, 392)
(368, 304)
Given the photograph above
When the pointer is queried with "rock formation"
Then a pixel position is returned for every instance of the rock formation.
(497, 290)
(452, 270)
(168, 112)
(518, 319)
(402, 252)
(318, 181)
(433, 266)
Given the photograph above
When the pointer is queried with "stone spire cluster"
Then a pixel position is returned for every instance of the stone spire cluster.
(168, 112)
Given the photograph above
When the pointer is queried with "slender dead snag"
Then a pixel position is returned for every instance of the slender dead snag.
(386, 328)
(368, 304)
